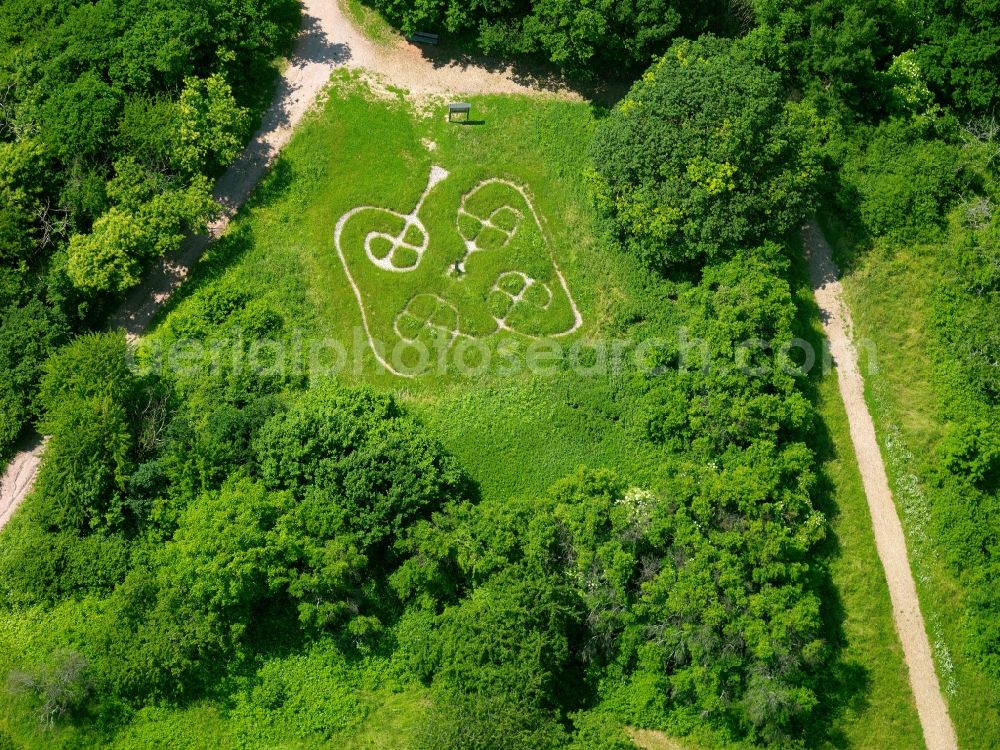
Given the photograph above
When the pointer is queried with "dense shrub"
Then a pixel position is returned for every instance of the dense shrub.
(88, 397)
(600, 573)
(458, 721)
(900, 179)
(966, 467)
(960, 52)
(585, 38)
(702, 157)
(28, 334)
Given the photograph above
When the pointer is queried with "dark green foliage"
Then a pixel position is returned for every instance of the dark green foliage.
(842, 53)
(834, 50)
(165, 626)
(206, 520)
(28, 334)
(363, 472)
(355, 450)
(703, 157)
(77, 120)
(583, 38)
(512, 635)
(901, 179)
(731, 381)
(705, 590)
(112, 115)
(24, 181)
(960, 52)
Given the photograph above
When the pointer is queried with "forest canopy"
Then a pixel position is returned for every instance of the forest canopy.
(114, 119)
(703, 157)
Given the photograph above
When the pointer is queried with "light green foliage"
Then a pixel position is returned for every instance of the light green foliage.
(212, 127)
(909, 91)
(702, 157)
(597, 731)
(316, 693)
(152, 216)
(227, 553)
(109, 258)
(86, 394)
(61, 687)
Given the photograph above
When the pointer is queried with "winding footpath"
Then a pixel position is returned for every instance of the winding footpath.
(327, 41)
(939, 734)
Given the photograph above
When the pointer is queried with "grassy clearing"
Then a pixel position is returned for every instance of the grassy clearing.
(901, 396)
(515, 433)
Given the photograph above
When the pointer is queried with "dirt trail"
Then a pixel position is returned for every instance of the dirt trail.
(939, 734)
(327, 41)
(19, 475)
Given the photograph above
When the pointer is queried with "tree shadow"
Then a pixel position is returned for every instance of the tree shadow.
(840, 217)
(842, 685)
(213, 264)
(534, 73)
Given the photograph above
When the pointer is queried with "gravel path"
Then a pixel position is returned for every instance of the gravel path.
(327, 41)
(939, 734)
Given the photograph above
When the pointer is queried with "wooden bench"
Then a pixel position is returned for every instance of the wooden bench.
(422, 37)
(459, 108)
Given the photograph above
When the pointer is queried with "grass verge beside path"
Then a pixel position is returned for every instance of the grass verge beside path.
(870, 681)
(889, 291)
(370, 22)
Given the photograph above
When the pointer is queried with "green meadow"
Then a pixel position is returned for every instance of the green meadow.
(515, 393)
